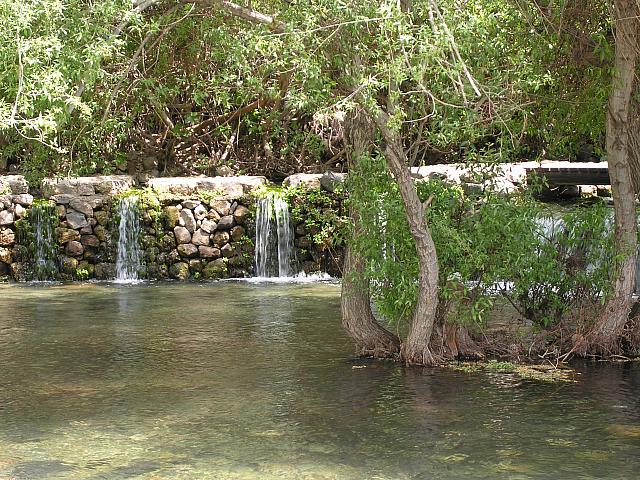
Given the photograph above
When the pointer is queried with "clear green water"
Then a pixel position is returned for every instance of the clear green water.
(245, 381)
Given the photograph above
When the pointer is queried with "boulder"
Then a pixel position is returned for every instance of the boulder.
(179, 271)
(100, 232)
(215, 269)
(220, 238)
(226, 222)
(61, 211)
(188, 250)
(187, 220)
(63, 199)
(172, 215)
(76, 219)
(68, 265)
(209, 252)
(105, 271)
(169, 241)
(7, 237)
(221, 206)
(241, 214)
(182, 235)
(200, 212)
(74, 248)
(195, 265)
(208, 226)
(228, 251)
(306, 181)
(190, 204)
(101, 217)
(90, 241)
(330, 181)
(16, 184)
(213, 215)
(23, 199)
(237, 233)
(5, 255)
(6, 217)
(200, 237)
(19, 210)
(65, 235)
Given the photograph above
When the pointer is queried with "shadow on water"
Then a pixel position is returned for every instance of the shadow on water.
(236, 380)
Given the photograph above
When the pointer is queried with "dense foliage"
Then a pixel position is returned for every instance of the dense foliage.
(187, 88)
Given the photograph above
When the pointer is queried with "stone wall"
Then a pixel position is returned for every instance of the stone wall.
(14, 202)
(191, 228)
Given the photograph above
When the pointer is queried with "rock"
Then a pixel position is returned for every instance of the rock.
(195, 265)
(63, 199)
(215, 269)
(90, 240)
(188, 250)
(169, 241)
(101, 217)
(190, 204)
(105, 271)
(7, 237)
(179, 271)
(226, 222)
(81, 206)
(220, 238)
(23, 199)
(306, 181)
(240, 214)
(76, 219)
(19, 271)
(228, 251)
(234, 205)
(15, 183)
(86, 230)
(5, 201)
(200, 237)
(74, 248)
(300, 230)
(236, 261)
(208, 226)
(100, 232)
(330, 181)
(200, 212)
(65, 235)
(224, 171)
(237, 233)
(213, 215)
(221, 206)
(187, 220)
(174, 256)
(6, 217)
(4, 269)
(172, 216)
(209, 252)
(61, 211)
(68, 265)
(182, 235)
(5, 255)
(19, 210)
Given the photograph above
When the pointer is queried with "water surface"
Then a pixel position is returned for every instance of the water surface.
(235, 380)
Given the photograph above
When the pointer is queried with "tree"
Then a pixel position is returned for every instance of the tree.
(604, 336)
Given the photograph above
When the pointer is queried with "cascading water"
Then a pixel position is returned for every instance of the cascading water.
(42, 218)
(129, 261)
(274, 237)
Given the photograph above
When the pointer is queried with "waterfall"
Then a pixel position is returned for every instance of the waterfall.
(274, 237)
(43, 218)
(129, 261)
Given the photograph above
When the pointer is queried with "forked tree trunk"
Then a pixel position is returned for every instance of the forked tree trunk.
(416, 350)
(357, 318)
(604, 336)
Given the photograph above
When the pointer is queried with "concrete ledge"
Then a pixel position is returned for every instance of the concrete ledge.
(87, 186)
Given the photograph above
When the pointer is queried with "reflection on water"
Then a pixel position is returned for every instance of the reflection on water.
(253, 381)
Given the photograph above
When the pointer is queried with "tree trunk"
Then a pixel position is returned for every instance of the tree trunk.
(416, 350)
(357, 318)
(604, 336)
